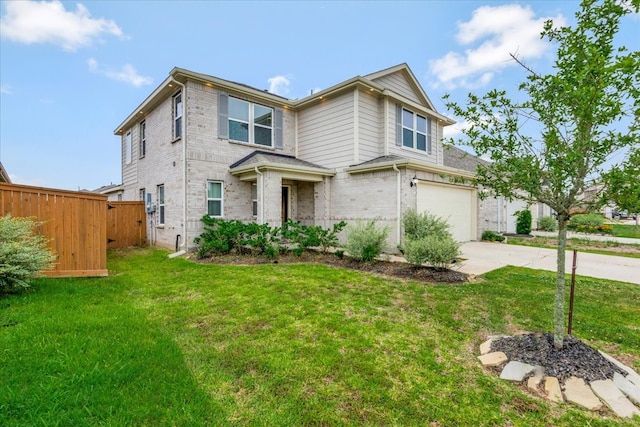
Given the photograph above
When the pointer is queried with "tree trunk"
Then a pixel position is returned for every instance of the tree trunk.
(558, 314)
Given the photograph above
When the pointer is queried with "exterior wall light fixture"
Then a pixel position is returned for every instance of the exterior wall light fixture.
(414, 181)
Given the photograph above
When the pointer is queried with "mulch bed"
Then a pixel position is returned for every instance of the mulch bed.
(399, 270)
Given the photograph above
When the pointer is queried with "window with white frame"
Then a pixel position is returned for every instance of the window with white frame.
(251, 123)
(214, 198)
(177, 115)
(141, 194)
(161, 205)
(143, 139)
(416, 131)
(254, 199)
(127, 148)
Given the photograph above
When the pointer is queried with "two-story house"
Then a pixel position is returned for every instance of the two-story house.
(369, 147)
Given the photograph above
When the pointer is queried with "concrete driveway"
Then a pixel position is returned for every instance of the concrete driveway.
(481, 257)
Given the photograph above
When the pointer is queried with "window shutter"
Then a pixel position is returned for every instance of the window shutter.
(278, 143)
(398, 125)
(223, 115)
(429, 135)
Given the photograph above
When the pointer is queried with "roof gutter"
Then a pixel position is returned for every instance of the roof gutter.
(426, 167)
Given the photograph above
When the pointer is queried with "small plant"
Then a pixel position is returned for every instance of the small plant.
(219, 237)
(23, 253)
(438, 251)
(425, 224)
(492, 236)
(547, 223)
(585, 220)
(366, 241)
(339, 253)
(523, 221)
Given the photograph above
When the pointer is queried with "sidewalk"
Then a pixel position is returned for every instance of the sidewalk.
(482, 257)
(587, 236)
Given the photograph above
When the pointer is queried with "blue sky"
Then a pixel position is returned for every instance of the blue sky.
(70, 72)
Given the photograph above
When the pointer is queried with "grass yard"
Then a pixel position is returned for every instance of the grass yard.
(625, 230)
(171, 342)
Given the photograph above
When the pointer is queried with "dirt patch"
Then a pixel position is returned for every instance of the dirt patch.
(400, 270)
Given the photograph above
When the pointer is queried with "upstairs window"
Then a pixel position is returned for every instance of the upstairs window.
(177, 116)
(143, 139)
(416, 131)
(214, 198)
(250, 123)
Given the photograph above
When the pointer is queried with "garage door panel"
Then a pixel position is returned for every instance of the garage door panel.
(455, 204)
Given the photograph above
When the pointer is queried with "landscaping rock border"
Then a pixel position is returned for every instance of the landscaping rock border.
(576, 374)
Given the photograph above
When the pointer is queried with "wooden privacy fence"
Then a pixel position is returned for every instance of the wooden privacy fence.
(74, 223)
(126, 224)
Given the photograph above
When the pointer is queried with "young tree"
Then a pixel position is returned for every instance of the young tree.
(582, 112)
(623, 184)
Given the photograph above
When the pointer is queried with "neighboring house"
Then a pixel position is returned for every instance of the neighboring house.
(494, 213)
(367, 148)
(114, 192)
(4, 176)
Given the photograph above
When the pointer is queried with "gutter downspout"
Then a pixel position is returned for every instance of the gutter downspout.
(185, 239)
(398, 200)
(261, 198)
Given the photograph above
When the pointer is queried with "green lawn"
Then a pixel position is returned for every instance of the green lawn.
(170, 342)
(625, 230)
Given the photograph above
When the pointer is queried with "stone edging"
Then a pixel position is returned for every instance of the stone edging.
(621, 395)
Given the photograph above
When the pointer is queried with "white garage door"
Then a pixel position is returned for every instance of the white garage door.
(455, 204)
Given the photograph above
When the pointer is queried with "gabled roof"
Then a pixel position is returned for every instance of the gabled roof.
(179, 76)
(4, 176)
(290, 167)
(456, 158)
(411, 79)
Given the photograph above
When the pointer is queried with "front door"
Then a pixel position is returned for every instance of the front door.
(284, 215)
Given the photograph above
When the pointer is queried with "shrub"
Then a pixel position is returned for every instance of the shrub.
(366, 241)
(219, 237)
(547, 223)
(492, 236)
(523, 222)
(589, 223)
(425, 224)
(23, 253)
(438, 251)
(585, 220)
(305, 236)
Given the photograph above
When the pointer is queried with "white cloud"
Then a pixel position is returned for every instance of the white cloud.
(279, 85)
(455, 129)
(32, 22)
(491, 35)
(127, 74)
(5, 89)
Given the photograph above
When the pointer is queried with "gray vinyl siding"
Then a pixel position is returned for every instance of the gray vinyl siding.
(399, 84)
(371, 130)
(325, 132)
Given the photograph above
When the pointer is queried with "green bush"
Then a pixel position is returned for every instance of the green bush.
(438, 251)
(585, 220)
(417, 226)
(304, 236)
(219, 237)
(547, 223)
(589, 223)
(492, 236)
(365, 240)
(523, 222)
(23, 253)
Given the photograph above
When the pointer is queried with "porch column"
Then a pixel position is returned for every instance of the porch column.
(272, 198)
